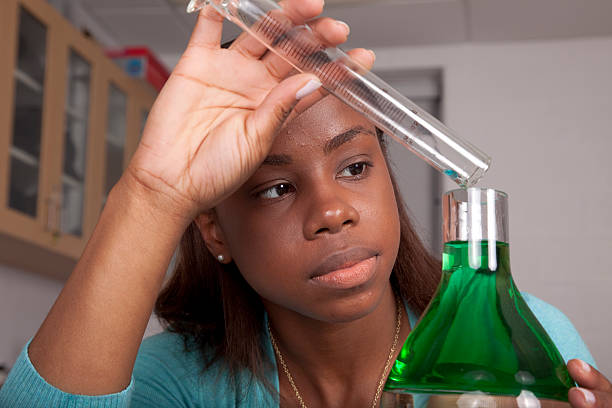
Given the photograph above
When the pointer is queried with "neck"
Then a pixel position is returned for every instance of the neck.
(337, 364)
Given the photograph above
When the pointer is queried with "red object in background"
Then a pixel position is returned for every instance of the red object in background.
(140, 62)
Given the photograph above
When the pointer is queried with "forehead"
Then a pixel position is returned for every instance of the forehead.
(318, 124)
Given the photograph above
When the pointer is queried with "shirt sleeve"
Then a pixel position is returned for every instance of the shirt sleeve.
(165, 375)
(560, 329)
(25, 388)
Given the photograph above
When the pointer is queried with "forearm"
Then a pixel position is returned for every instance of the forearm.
(90, 338)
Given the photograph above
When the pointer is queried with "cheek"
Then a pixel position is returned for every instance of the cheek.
(382, 218)
(394, 220)
(383, 207)
(263, 249)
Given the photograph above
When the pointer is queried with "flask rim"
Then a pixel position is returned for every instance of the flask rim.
(474, 214)
(459, 190)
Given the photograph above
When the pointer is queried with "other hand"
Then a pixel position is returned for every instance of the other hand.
(594, 389)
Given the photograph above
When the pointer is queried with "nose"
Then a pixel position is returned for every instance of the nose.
(329, 213)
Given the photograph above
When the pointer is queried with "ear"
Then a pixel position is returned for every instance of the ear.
(213, 236)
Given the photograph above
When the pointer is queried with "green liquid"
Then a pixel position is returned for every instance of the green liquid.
(478, 334)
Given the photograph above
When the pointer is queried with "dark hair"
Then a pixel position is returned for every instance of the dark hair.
(218, 313)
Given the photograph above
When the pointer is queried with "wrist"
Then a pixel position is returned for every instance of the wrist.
(143, 201)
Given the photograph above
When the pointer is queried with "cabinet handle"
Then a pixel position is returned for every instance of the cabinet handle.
(54, 211)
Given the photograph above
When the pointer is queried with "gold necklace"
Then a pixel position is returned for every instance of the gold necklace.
(382, 378)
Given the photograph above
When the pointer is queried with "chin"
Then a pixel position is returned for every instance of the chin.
(349, 307)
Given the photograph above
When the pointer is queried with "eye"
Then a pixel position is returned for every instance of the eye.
(276, 191)
(355, 169)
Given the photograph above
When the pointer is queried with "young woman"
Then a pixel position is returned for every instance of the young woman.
(299, 276)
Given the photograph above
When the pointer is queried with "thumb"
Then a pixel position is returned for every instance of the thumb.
(279, 103)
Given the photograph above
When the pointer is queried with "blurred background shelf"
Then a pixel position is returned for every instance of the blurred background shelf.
(28, 81)
(70, 119)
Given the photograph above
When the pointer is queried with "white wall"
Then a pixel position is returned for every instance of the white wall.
(543, 111)
(25, 300)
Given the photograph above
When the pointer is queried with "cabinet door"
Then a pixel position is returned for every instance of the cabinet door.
(8, 33)
(116, 97)
(127, 105)
(68, 121)
(77, 166)
(73, 176)
(32, 62)
(76, 127)
(25, 147)
(116, 136)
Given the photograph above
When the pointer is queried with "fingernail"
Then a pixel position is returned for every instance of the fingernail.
(585, 366)
(307, 89)
(589, 397)
(373, 54)
(346, 26)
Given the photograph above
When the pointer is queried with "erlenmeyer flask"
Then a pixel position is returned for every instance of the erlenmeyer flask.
(477, 344)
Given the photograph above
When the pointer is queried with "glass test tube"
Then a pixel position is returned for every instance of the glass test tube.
(396, 115)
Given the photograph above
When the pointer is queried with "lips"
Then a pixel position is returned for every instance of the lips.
(343, 260)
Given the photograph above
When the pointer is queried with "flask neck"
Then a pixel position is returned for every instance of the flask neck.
(476, 256)
(474, 215)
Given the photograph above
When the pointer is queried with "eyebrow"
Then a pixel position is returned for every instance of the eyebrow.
(277, 160)
(344, 137)
(336, 142)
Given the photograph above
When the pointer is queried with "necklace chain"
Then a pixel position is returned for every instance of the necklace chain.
(384, 373)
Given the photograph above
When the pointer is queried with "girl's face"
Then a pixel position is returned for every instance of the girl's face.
(316, 229)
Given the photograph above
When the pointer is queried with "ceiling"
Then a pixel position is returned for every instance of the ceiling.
(164, 26)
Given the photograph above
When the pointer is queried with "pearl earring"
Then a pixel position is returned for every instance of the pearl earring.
(220, 258)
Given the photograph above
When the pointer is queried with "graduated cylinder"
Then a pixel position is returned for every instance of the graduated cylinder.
(396, 115)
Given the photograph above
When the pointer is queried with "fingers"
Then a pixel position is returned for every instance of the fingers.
(588, 377)
(208, 29)
(263, 123)
(302, 10)
(594, 391)
(299, 11)
(584, 398)
(330, 32)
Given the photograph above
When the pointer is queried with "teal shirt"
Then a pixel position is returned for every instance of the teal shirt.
(167, 376)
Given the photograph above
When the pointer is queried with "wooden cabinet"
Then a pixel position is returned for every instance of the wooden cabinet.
(69, 121)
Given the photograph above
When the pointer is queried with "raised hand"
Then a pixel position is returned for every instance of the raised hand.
(217, 116)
